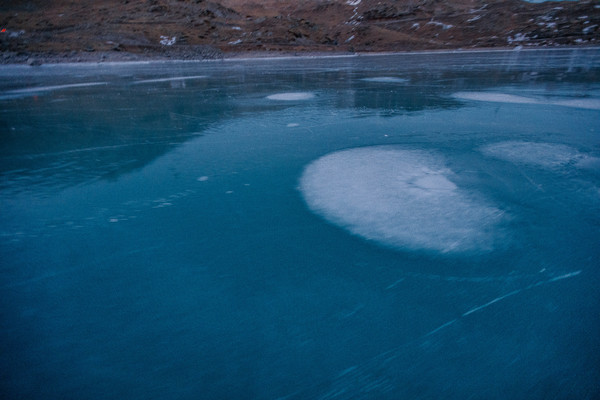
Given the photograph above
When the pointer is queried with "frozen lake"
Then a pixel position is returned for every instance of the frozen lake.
(416, 226)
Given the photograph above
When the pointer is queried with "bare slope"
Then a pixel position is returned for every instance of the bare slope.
(202, 28)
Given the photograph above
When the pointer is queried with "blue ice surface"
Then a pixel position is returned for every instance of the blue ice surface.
(189, 237)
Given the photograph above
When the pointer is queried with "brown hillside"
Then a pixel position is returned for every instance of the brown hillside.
(91, 29)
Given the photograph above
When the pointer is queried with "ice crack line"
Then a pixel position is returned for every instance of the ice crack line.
(507, 295)
(369, 376)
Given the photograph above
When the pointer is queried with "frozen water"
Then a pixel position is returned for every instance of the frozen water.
(291, 96)
(399, 198)
(385, 79)
(170, 79)
(591, 104)
(547, 155)
(208, 242)
(495, 97)
(587, 103)
(32, 91)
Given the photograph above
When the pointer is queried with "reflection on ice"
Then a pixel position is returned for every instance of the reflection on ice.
(587, 103)
(399, 198)
(547, 155)
(291, 96)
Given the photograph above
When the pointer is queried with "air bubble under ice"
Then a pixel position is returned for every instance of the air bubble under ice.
(399, 198)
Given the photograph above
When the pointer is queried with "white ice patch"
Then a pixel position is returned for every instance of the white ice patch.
(171, 79)
(399, 198)
(385, 79)
(440, 24)
(42, 89)
(494, 97)
(546, 155)
(29, 92)
(519, 37)
(168, 41)
(291, 96)
(587, 103)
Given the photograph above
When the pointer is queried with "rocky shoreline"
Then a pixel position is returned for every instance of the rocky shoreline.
(38, 59)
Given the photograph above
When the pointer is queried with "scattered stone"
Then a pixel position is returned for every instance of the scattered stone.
(33, 62)
(158, 8)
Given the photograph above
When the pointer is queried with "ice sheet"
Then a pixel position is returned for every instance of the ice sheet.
(587, 103)
(291, 96)
(399, 198)
(32, 91)
(493, 97)
(171, 79)
(385, 79)
(546, 155)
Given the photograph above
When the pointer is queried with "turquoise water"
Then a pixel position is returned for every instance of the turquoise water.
(411, 226)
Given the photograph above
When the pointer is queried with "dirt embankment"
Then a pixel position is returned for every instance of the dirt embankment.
(94, 30)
